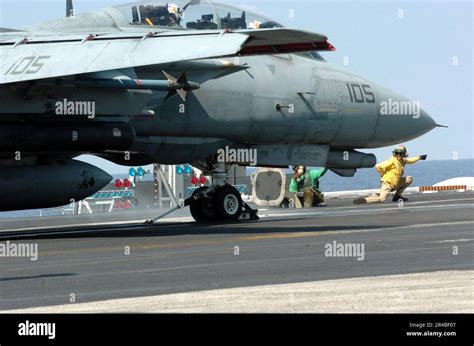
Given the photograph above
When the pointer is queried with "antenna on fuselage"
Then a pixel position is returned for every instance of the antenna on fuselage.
(69, 8)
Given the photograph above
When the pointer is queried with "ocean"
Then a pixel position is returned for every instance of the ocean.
(425, 173)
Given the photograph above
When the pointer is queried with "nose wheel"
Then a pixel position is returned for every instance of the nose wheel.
(223, 204)
(219, 202)
(227, 203)
(201, 207)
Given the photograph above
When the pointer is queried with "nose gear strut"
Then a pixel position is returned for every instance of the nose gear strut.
(220, 202)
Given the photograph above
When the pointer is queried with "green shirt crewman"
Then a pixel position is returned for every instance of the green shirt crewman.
(307, 182)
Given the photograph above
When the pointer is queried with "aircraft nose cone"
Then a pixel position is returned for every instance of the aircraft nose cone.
(426, 122)
(417, 123)
(399, 119)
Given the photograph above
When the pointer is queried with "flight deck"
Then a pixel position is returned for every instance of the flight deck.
(415, 258)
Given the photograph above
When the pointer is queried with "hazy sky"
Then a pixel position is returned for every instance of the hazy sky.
(421, 49)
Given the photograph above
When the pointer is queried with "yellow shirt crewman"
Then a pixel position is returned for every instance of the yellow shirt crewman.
(392, 178)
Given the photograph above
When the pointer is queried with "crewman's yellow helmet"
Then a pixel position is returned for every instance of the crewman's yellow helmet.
(400, 150)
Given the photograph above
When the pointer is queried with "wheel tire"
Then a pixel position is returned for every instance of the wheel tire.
(285, 204)
(202, 209)
(227, 203)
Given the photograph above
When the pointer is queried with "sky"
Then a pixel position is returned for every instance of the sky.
(421, 49)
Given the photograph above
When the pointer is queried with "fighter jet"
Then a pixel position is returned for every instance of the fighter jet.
(173, 83)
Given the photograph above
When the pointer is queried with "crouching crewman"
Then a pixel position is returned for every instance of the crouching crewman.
(305, 185)
(392, 179)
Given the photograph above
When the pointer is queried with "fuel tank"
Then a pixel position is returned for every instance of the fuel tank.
(51, 185)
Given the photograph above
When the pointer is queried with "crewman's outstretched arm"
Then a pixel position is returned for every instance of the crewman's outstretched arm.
(317, 173)
(411, 160)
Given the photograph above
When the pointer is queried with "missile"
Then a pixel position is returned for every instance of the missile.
(173, 85)
(179, 85)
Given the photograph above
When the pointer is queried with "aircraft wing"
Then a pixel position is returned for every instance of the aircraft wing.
(51, 56)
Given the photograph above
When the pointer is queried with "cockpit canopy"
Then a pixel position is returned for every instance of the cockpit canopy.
(193, 14)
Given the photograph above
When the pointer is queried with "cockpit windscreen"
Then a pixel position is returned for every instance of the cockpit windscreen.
(194, 14)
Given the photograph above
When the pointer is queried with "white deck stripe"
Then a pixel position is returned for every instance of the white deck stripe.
(432, 292)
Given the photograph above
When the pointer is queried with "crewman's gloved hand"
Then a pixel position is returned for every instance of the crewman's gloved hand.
(423, 157)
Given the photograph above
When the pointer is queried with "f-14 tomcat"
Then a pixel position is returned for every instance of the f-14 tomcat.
(173, 83)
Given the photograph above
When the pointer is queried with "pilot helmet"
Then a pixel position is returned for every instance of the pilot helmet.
(173, 9)
(254, 25)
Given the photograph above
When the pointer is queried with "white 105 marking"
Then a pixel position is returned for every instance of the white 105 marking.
(27, 65)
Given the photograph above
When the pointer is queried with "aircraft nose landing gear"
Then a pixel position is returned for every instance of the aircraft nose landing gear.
(228, 203)
(223, 203)
(220, 202)
(200, 205)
